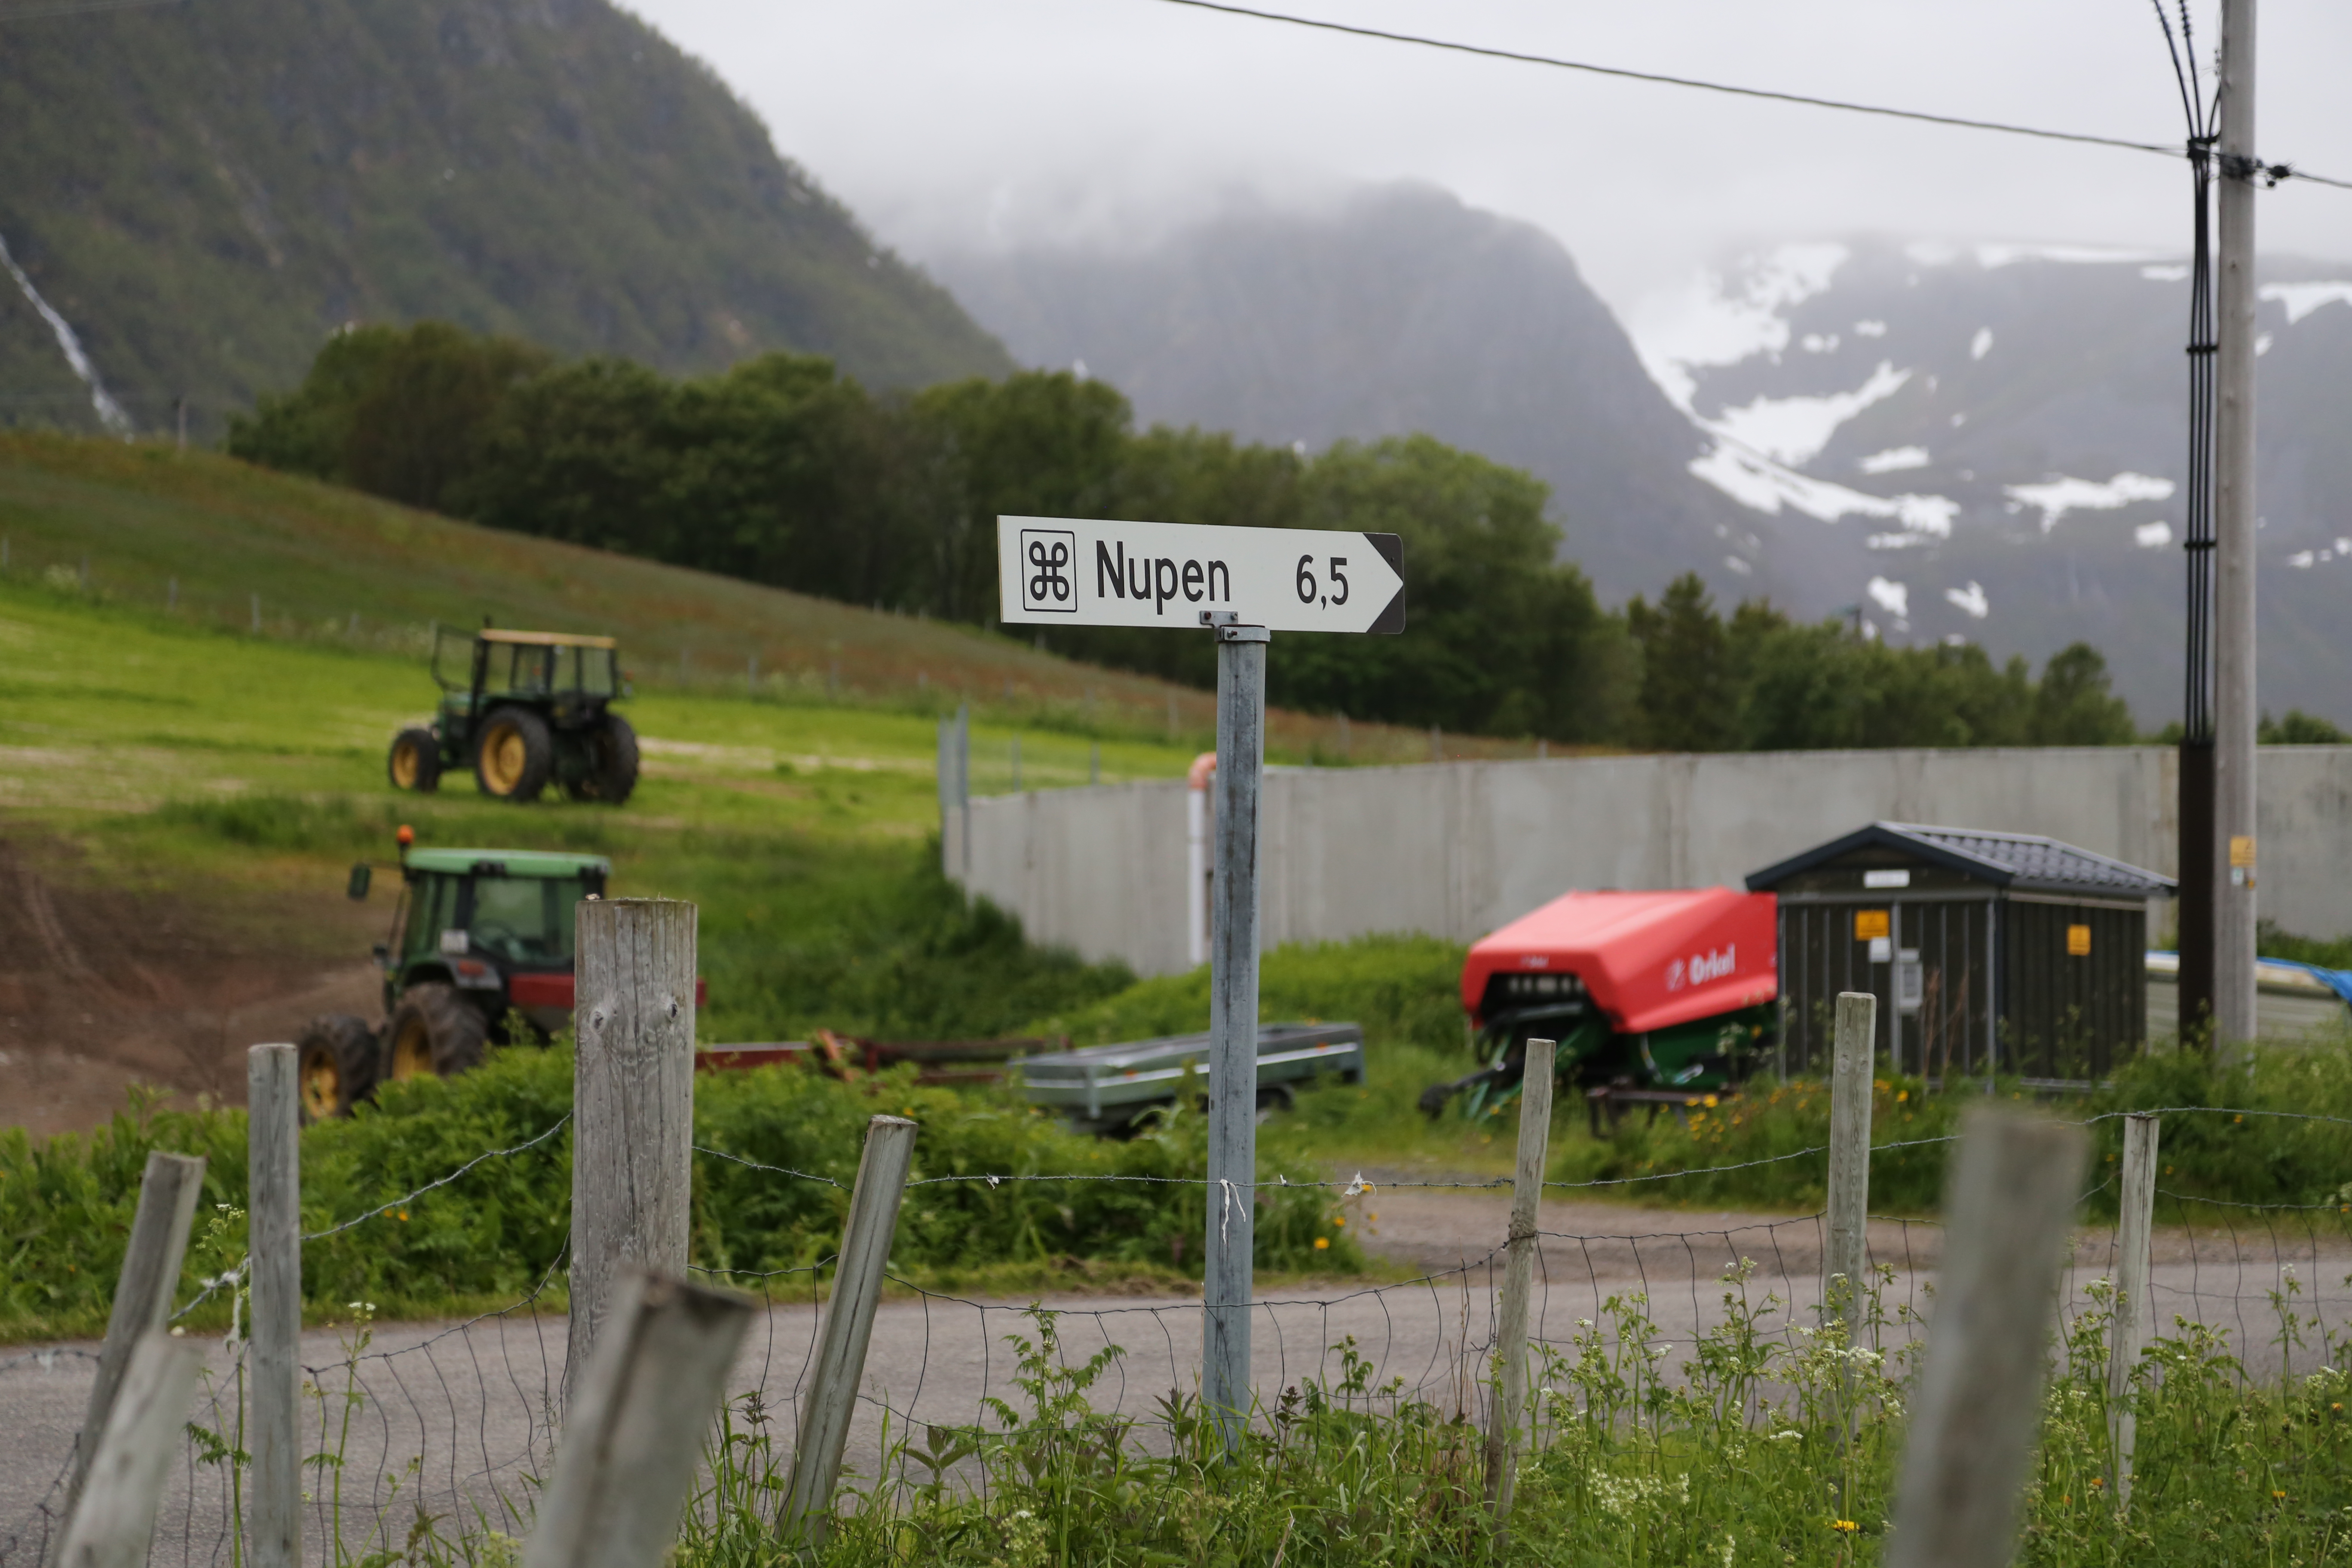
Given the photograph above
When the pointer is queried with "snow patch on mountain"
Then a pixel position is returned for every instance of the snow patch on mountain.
(1755, 480)
(1720, 320)
(1970, 599)
(1895, 598)
(1794, 430)
(1895, 460)
(2152, 535)
(2302, 299)
(2058, 496)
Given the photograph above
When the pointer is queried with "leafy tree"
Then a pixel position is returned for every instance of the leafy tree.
(2074, 706)
(2299, 729)
(1690, 699)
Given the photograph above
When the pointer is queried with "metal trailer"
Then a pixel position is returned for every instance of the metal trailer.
(1103, 1088)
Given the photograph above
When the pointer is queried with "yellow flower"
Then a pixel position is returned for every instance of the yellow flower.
(1845, 1526)
(2278, 1496)
(1376, 1219)
(1321, 1242)
(1339, 1219)
(403, 1217)
(1901, 1096)
(1710, 1102)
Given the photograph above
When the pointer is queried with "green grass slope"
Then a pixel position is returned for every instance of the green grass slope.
(205, 191)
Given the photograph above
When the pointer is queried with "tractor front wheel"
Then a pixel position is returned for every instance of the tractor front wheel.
(612, 773)
(433, 1033)
(414, 763)
(335, 1060)
(516, 755)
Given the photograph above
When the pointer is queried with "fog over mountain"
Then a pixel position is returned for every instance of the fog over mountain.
(1977, 441)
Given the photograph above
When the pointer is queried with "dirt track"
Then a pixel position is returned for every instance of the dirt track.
(101, 988)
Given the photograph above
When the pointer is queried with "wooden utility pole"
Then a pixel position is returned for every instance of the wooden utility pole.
(2234, 701)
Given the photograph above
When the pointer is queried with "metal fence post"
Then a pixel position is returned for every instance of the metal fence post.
(1233, 1031)
(2136, 1205)
(273, 1355)
(847, 1329)
(1849, 1218)
(113, 1524)
(639, 1413)
(633, 1105)
(142, 1291)
(1518, 1282)
(2009, 1200)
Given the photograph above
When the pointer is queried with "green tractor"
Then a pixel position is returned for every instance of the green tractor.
(525, 710)
(481, 946)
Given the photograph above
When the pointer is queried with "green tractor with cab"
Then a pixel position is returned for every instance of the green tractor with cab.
(523, 709)
(480, 950)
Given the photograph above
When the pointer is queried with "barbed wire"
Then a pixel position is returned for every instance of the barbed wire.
(380, 1210)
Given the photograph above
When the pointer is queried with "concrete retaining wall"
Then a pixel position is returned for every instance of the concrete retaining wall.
(1458, 848)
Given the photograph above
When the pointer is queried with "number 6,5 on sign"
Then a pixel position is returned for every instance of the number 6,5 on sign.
(1072, 571)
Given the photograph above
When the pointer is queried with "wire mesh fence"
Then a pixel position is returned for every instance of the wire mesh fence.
(439, 1436)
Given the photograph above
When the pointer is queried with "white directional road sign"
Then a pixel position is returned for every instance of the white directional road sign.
(1071, 572)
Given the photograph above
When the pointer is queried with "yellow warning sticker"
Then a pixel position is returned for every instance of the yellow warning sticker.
(2078, 941)
(1869, 923)
(2241, 850)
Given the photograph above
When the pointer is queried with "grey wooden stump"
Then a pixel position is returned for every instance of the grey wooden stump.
(273, 1355)
(113, 1522)
(142, 1291)
(2009, 1204)
(640, 1411)
(1518, 1283)
(847, 1330)
(2128, 1330)
(633, 1105)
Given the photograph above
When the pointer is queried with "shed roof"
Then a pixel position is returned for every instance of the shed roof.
(2023, 862)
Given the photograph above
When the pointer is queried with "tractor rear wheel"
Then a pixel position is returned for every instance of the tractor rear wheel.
(335, 1059)
(433, 1033)
(612, 763)
(415, 762)
(515, 756)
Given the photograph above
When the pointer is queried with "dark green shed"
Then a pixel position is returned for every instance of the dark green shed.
(1987, 952)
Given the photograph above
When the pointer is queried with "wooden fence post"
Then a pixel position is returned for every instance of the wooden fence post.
(847, 1329)
(1846, 1256)
(273, 1354)
(2136, 1205)
(633, 1105)
(113, 1522)
(142, 1291)
(2008, 1205)
(1518, 1280)
(640, 1410)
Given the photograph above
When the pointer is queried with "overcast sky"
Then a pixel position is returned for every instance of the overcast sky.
(949, 124)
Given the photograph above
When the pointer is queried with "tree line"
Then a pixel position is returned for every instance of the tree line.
(780, 470)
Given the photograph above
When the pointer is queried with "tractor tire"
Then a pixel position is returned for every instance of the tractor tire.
(335, 1059)
(414, 763)
(612, 772)
(515, 756)
(433, 1033)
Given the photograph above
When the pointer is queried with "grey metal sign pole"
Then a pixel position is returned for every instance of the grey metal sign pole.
(1233, 1027)
(1244, 583)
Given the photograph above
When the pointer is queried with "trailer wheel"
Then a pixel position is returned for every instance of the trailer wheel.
(335, 1064)
(434, 1033)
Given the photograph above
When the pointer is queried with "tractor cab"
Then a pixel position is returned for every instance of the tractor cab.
(479, 937)
(1648, 990)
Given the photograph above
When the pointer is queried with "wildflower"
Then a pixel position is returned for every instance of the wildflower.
(2278, 1496)
(1339, 1219)
(1843, 1526)
(403, 1217)
(1373, 1217)
(1322, 1242)
(1902, 1095)
(1710, 1102)
(2098, 1482)
(1784, 1436)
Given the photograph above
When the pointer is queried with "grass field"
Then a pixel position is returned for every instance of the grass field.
(221, 545)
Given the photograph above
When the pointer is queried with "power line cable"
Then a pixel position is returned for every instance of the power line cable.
(2273, 173)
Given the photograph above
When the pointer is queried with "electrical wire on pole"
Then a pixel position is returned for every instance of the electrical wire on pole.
(2198, 854)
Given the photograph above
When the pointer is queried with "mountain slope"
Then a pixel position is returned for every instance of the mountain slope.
(1990, 443)
(201, 192)
(1401, 310)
